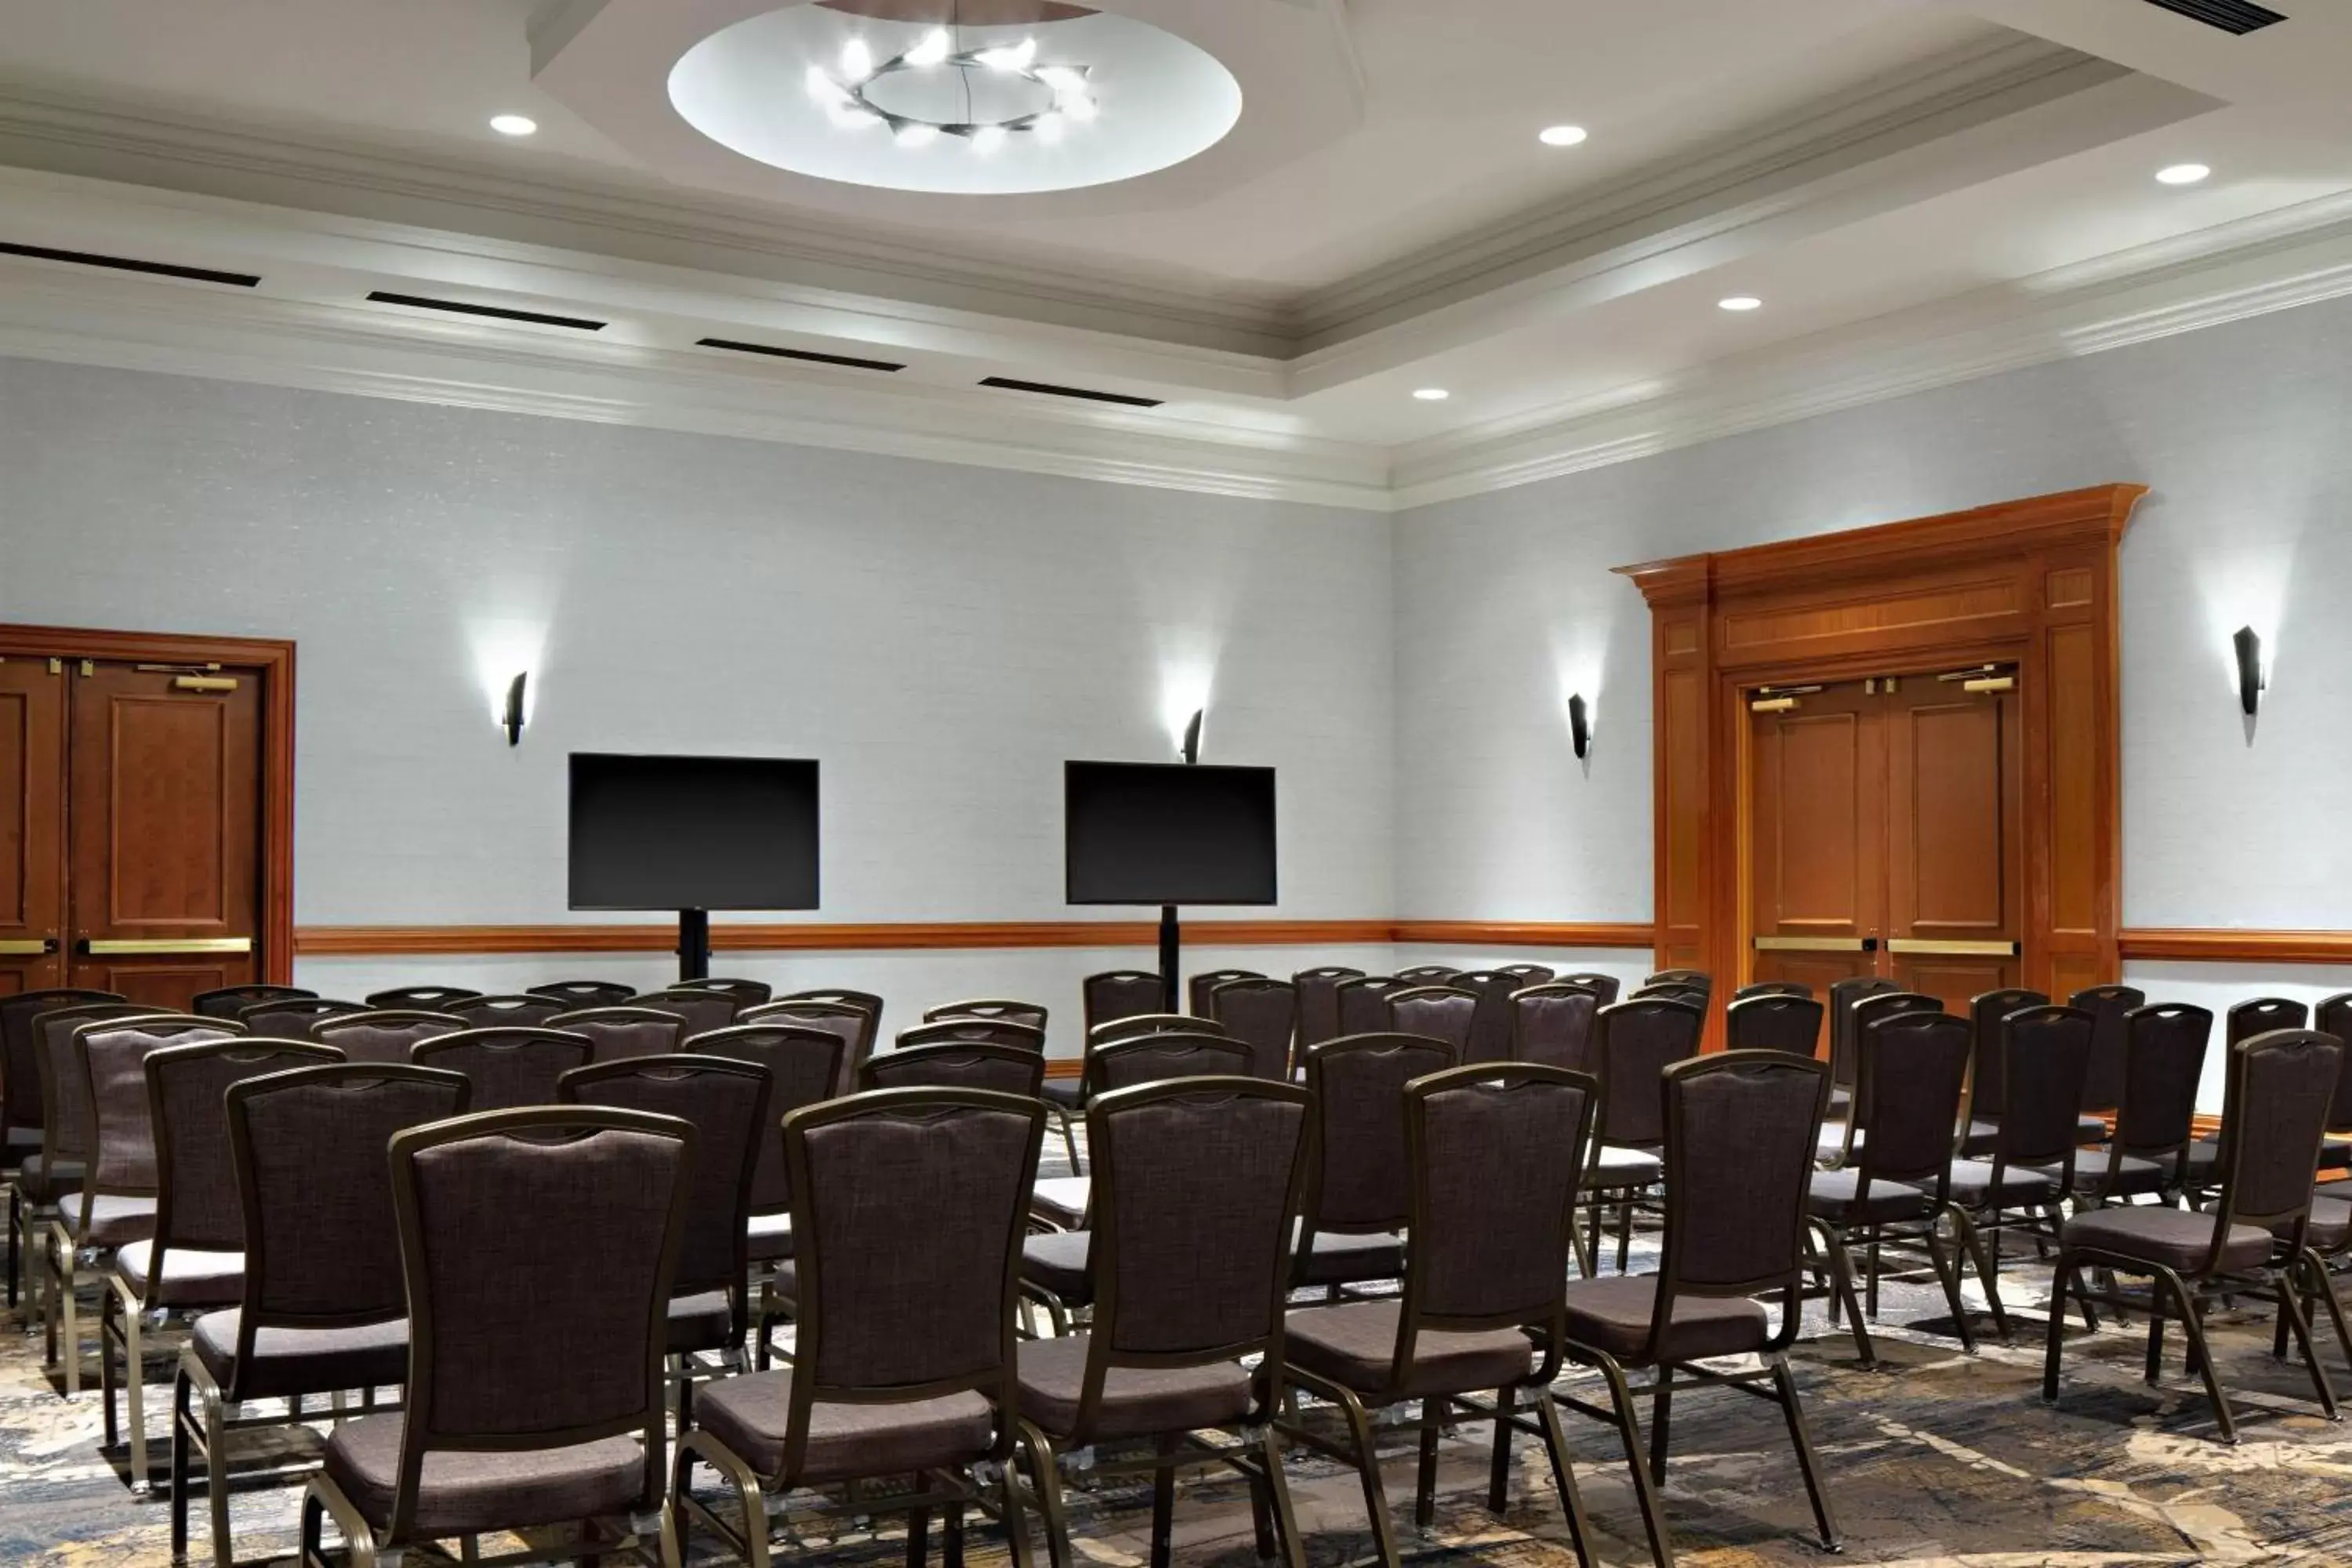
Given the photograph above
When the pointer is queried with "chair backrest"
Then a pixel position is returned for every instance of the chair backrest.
(1118, 994)
(489, 1012)
(1009, 1011)
(726, 1103)
(196, 1201)
(1553, 1025)
(849, 1021)
(20, 1049)
(2045, 1051)
(1154, 1058)
(1695, 996)
(296, 1017)
(1490, 1021)
(521, 1333)
(2262, 1014)
(382, 1035)
(111, 1056)
(2334, 1016)
(1358, 1176)
(620, 1033)
(230, 1001)
(804, 1069)
(1361, 1004)
(957, 1064)
(1694, 977)
(65, 1091)
(1198, 988)
(1910, 1070)
(837, 996)
(1774, 1021)
(508, 1067)
(578, 994)
(908, 1208)
(1636, 1040)
(2164, 1058)
(2273, 1112)
(749, 992)
(1527, 974)
(698, 1010)
(1988, 1076)
(975, 1032)
(1318, 1001)
(417, 998)
(1772, 988)
(1438, 1011)
(1196, 1185)
(1843, 995)
(1605, 988)
(1739, 1165)
(1426, 974)
(1263, 1014)
(1136, 1026)
(2108, 1006)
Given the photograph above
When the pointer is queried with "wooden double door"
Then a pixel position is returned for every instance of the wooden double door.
(131, 825)
(1885, 820)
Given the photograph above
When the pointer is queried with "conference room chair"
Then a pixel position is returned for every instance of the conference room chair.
(382, 1035)
(578, 994)
(957, 1064)
(2151, 1153)
(749, 992)
(1029, 1013)
(1359, 1197)
(2028, 1172)
(497, 1433)
(1738, 1164)
(294, 1017)
(856, 1025)
(1689, 995)
(1988, 1079)
(1116, 994)
(2247, 1246)
(230, 1001)
(1064, 1196)
(1489, 1039)
(1910, 1070)
(1440, 1012)
(1482, 1302)
(508, 1067)
(106, 1060)
(1199, 1185)
(319, 1310)
(1772, 988)
(417, 998)
(908, 1206)
(1361, 1004)
(1843, 995)
(2261, 1016)
(1426, 974)
(2108, 1004)
(1263, 1014)
(976, 1031)
(620, 1033)
(1552, 1025)
(489, 1012)
(1318, 1001)
(194, 1258)
(45, 1179)
(1635, 1040)
(726, 1103)
(2334, 1016)
(1198, 988)
(1157, 1058)
(1604, 986)
(1697, 978)
(837, 996)
(1838, 1139)
(1774, 1021)
(1527, 974)
(698, 1010)
(22, 1131)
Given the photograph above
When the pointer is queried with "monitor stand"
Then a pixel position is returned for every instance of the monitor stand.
(693, 945)
(1168, 945)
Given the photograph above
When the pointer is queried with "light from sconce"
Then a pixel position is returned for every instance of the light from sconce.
(511, 718)
(1190, 746)
(1580, 728)
(2250, 669)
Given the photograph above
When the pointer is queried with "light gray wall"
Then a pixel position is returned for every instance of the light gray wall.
(942, 636)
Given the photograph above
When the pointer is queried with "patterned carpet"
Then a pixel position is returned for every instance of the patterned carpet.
(1934, 1458)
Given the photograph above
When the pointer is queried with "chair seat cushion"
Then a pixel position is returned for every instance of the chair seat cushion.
(2336, 1153)
(191, 1279)
(1972, 1186)
(702, 1321)
(2176, 1238)
(1135, 1400)
(1354, 1345)
(1062, 1200)
(749, 1414)
(1343, 1257)
(1056, 1262)
(2331, 1225)
(113, 1220)
(463, 1493)
(1067, 1092)
(1983, 1131)
(303, 1360)
(769, 1236)
(1831, 1196)
(1614, 1167)
(1831, 1143)
(1613, 1314)
(43, 1184)
(2134, 1175)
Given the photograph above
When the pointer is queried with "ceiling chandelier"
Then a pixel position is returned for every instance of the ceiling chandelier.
(1062, 92)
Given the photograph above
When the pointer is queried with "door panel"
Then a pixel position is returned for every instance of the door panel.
(32, 825)
(1818, 831)
(1956, 872)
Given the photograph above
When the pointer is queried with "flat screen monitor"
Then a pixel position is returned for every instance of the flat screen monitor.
(1155, 832)
(693, 833)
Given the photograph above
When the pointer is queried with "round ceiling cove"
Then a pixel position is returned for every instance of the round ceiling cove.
(962, 13)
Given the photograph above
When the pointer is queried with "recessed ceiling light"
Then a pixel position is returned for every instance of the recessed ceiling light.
(2182, 173)
(1432, 394)
(513, 124)
(1739, 302)
(1561, 135)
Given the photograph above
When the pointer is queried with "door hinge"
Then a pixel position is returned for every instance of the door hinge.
(89, 666)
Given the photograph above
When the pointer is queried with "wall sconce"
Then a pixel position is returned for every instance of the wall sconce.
(2250, 669)
(1580, 728)
(1190, 750)
(511, 718)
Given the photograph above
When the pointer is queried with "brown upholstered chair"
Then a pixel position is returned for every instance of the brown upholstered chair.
(1029, 1013)
(957, 1064)
(1604, 986)
(1263, 1014)
(53, 1173)
(1552, 1024)
(698, 1009)
(2103, 1088)
(2253, 1240)
(1843, 995)
(1155, 1059)
(525, 1010)
(320, 1310)
(384, 1034)
(1484, 1291)
(1667, 991)
(1117, 993)
(623, 1031)
(749, 992)
(976, 1031)
(1772, 988)
(417, 998)
(22, 1118)
(576, 995)
(2028, 1172)
(1063, 1198)
(2334, 1016)
(1489, 1039)
(534, 1387)
(230, 1001)
(1359, 1197)
(1439, 1012)
(294, 1018)
(2261, 1016)
(1636, 1040)
(508, 1067)
(908, 1206)
(1697, 978)
(1197, 1185)
(837, 997)
(1989, 1059)
(1774, 1021)
(1318, 1001)
(1427, 974)
(1526, 974)
(1361, 1004)
(1197, 988)
(1838, 1140)
(194, 1257)
(1739, 1167)
(1142, 1024)
(2154, 1149)
(839, 1014)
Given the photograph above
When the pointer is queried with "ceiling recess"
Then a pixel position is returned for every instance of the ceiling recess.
(2229, 16)
(848, 362)
(495, 313)
(1048, 389)
(131, 264)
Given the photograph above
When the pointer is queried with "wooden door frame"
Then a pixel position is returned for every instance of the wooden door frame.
(275, 660)
(2032, 581)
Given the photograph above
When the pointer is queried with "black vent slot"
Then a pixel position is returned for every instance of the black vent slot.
(2231, 16)
(495, 313)
(1050, 390)
(131, 264)
(847, 361)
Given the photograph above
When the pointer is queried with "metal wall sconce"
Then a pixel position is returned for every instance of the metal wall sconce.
(1580, 730)
(1190, 748)
(511, 717)
(2250, 669)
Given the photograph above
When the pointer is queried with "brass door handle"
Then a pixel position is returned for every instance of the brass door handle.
(27, 947)
(1811, 944)
(1952, 949)
(163, 946)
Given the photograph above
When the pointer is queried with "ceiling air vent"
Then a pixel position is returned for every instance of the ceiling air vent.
(131, 264)
(1049, 390)
(497, 312)
(2229, 16)
(847, 361)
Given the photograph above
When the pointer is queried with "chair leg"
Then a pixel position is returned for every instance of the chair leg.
(1070, 1142)
(1794, 1411)
(134, 1384)
(2192, 1323)
(2154, 1370)
(1870, 1286)
(2324, 1289)
(2055, 1343)
(1016, 1527)
(16, 1226)
(952, 1537)
(1368, 1470)
(1624, 1234)
(69, 1320)
(1662, 1409)
(1947, 1275)
(1563, 1477)
(106, 1306)
(1286, 1517)
(1163, 1501)
(1425, 1479)
(2291, 1308)
(180, 1391)
(1987, 1268)
(1045, 1470)
(918, 1538)
(1498, 1475)
(1629, 1433)
(1842, 1286)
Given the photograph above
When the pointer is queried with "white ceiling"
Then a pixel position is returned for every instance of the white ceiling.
(1382, 218)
